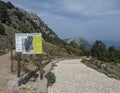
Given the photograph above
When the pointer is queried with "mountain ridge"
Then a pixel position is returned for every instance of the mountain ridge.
(16, 20)
(79, 41)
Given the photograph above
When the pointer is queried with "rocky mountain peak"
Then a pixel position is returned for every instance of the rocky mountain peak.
(79, 40)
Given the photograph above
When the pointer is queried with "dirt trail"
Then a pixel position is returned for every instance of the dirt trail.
(71, 77)
(5, 73)
(74, 77)
(6, 76)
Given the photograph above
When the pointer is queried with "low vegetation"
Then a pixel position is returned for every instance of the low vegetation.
(54, 65)
(24, 29)
(74, 48)
(4, 17)
(2, 30)
(50, 78)
(105, 60)
(111, 69)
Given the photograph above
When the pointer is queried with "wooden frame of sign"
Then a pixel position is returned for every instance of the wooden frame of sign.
(28, 43)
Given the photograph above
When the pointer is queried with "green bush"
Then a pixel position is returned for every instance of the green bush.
(54, 65)
(74, 50)
(24, 29)
(2, 30)
(4, 17)
(50, 78)
(20, 15)
(83, 60)
(14, 26)
(9, 5)
(92, 59)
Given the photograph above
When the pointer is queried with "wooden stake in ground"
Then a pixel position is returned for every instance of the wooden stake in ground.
(18, 65)
(11, 56)
(40, 67)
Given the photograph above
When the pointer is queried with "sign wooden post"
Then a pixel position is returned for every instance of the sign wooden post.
(11, 56)
(18, 65)
(40, 68)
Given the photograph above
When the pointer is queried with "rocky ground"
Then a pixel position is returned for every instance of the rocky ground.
(111, 69)
(8, 80)
(5, 73)
(74, 77)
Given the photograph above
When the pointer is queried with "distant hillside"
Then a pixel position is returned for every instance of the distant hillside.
(15, 20)
(79, 41)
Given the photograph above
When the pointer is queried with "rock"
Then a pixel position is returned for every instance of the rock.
(103, 66)
(6, 78)
(23, 79)
(40, 86)
(13, 83)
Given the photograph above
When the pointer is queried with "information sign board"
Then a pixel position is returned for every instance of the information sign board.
(28, 43)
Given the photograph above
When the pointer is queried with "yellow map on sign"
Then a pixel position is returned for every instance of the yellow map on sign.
(37, 43)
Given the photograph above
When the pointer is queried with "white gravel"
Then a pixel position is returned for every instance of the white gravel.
(74, 77)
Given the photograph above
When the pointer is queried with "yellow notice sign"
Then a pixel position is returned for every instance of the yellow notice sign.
(37, 43)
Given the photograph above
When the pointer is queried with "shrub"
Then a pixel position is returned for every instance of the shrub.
(54, 65)
(20, 15)
(74, 50)
(14, 25)
(9, 5)
(2, 30)
(92, 59)
(4, 17)
(24, 29)
(50, 78)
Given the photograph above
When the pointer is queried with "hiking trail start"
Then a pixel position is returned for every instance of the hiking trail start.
(74, 77)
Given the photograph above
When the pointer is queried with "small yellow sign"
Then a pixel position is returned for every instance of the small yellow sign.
(37, 43)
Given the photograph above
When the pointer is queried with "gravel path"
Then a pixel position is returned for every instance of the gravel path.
(74, 77)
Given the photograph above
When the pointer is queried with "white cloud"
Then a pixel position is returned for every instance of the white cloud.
(91, 7)
(74, 7)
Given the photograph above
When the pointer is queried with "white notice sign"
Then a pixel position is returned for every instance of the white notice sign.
(28, 43)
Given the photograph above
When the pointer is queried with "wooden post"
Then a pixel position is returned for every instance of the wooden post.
(40, 67)
(18, 66)
(11, 56)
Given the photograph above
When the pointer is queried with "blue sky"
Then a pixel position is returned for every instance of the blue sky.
(91, 19)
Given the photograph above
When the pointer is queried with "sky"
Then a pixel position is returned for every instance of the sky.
(91, 19)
